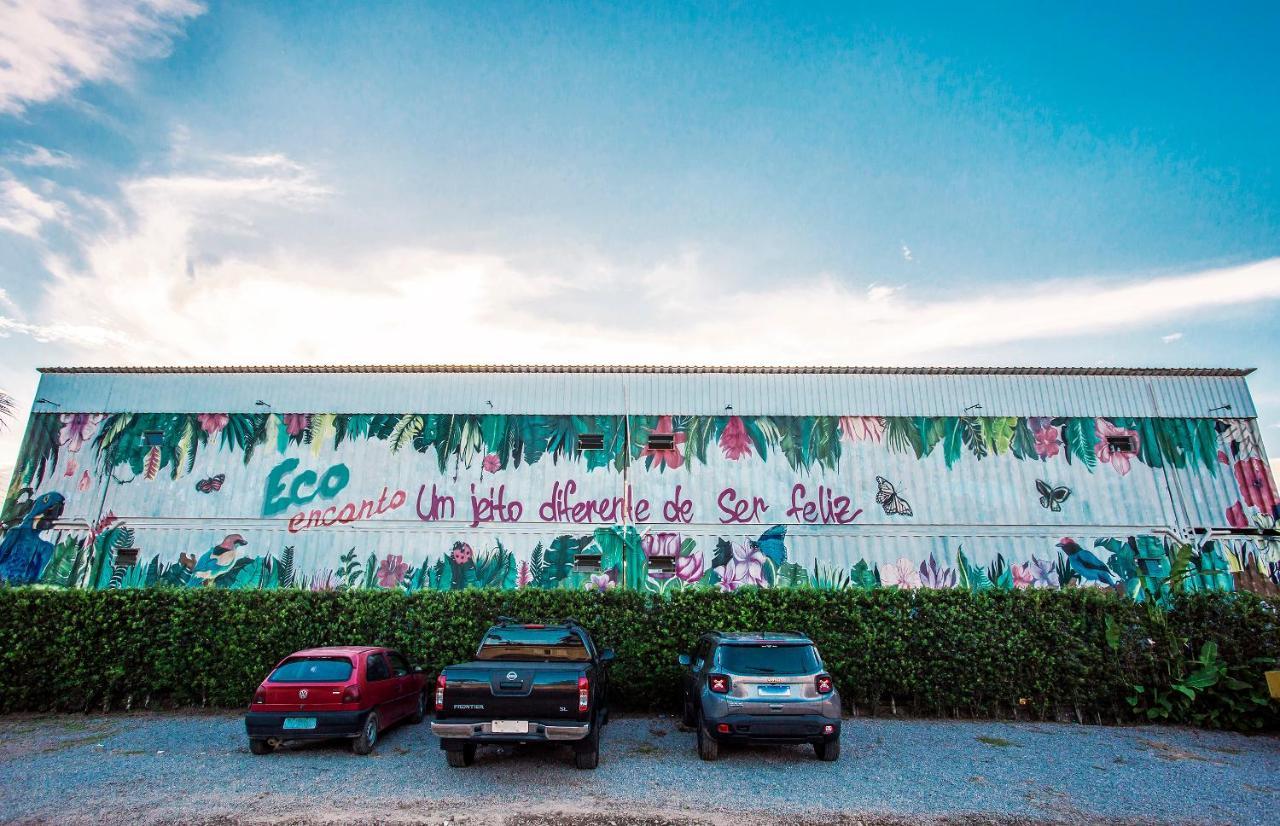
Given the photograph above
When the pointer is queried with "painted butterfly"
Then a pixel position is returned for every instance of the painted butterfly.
(1051, 497)
(893, 504)
(211, 484)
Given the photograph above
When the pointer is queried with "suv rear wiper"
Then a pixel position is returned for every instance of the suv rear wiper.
(762, 669)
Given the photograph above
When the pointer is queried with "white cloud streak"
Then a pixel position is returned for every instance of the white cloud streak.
(40, 157)
(23, 210)
(50, 47)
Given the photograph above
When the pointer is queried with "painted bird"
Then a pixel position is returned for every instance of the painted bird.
(216, 561)
(1084, 563)
(23, 554)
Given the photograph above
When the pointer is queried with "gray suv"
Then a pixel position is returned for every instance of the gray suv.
(759, 688)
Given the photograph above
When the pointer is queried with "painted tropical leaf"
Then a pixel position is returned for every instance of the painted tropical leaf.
(862, 575)
(972, 434)
(997, 432)
(952, 439)
(285, 576)
(1023, 443)
(40, 448)
(1206, 444)
(904, 435)
(699, 432)
(824, 441)
(971, 577)
(792, 575)
(1079, 435)
(932, 432)
(1175, 440)
(723, 553)
(933, 575)
(184, 449)
(319, 430)
(151, 466)
(406, 428)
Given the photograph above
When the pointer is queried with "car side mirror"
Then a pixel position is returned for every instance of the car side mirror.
(685, 660)
(417, 669)
(607, 656)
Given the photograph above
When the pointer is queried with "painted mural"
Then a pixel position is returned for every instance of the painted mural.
(449, 501)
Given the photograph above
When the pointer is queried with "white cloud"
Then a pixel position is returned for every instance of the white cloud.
(23, 210)
(1171, 338)
(906, 253)
(49, 47)
(40, 157)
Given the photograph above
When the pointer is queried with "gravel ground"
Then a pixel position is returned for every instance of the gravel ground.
(196, 767)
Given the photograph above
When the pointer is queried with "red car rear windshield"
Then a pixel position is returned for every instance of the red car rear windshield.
(313, 670)
(534, 645)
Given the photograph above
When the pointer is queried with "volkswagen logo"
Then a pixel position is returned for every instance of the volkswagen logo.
(302, 694)
(511, 675)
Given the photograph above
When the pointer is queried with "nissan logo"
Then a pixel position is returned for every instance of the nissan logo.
(511, 675)
(302, 694)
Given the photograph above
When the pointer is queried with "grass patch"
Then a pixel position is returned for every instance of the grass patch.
(997, 742)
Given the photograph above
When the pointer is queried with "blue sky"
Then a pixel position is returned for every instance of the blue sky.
(186, 183)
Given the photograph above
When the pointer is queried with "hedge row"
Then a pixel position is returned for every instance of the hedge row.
(1044, 654)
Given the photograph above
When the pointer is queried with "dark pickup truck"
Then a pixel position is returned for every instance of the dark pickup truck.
(528, 683)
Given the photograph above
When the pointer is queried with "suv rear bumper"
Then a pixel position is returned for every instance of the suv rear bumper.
(270, 724)
(774, 728)
(481, 731)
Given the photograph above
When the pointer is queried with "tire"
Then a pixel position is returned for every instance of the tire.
(587, 755)
(420, 714)
(708, 748)
(461, 758)
(829, 752)
(368, 735)
(260, 745)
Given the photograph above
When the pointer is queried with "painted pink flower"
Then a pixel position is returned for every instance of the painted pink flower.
(1047, 443)
(734, 440)
(78, 428)
(392, 570)
(212, 423)
(85, 482)
(296, 423)
(492, 463)
(900, 574)
(689, 568)
(1256, 487)
(461, 553)
(862, 428)
(661, 544)
(524, 576)
(670, 457)
(1023, 576)
(1118, 459)
(1236, 517)
(745, 567)
(600, 582)
(72, 466)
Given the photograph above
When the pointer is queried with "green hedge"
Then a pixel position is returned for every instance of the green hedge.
(1043, 654)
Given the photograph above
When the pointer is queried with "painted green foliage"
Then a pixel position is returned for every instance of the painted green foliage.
(150, 444)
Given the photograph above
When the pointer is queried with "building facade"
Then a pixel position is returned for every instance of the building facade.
(416, 478)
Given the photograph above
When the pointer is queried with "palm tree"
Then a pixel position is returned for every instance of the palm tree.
(6, 409)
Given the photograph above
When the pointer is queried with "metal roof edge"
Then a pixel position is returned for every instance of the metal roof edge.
(666, 369)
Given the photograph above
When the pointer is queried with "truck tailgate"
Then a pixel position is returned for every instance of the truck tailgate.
(513, 690)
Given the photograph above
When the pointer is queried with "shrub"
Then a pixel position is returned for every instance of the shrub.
(1042, 654)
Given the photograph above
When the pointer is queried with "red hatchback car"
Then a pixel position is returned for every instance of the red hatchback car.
(341, 691)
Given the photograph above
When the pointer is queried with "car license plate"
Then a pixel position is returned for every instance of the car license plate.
(299, 722)
(775, 691)
(510, 726)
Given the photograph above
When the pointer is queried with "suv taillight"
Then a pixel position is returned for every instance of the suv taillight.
(440, 693)
(260, 696)
(584, 693)
(719, 683)
(351, 694)
(824, 684)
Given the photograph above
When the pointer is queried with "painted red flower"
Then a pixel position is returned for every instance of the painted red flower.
(1023, 577)
(78, 428)
(461, 553)
(296, 423)
(1256, 488)
(1047, 444)
(1236, 517)
(734, 440)
(392, 570)
(492, 463)
(671, 457)
(212, 423)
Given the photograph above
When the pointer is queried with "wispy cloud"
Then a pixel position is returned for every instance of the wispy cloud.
(27, 154)
(23, 210)
(1171, 338)
(906, 252)
(49, 47)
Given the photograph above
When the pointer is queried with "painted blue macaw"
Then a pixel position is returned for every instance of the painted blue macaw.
(216, 561)
(23, 554)
(1085, 564)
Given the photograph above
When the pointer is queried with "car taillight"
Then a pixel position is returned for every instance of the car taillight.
(440, 693)
(584, 690)
(351, 694)
(824, 684)
(260, 696)
(719, 683)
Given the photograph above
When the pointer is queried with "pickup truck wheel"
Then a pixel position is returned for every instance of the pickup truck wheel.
(827, 751)
(708, 749)
(260, 745)
(587, 754)
(461, 758)
(421, 712)
(368, 735)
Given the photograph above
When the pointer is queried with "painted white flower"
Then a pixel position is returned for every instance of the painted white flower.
(902, 573)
